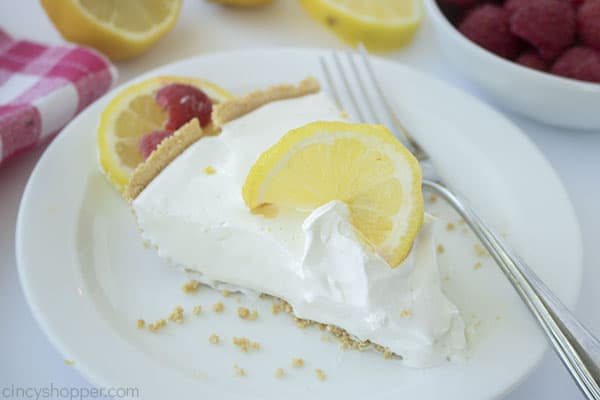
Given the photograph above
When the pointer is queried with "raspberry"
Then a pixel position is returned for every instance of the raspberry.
(488, 26)
(580, 62)
(549, 25)
(588, 22)
(533, 60)
(149, 142)
(183, 103)
(513, 5)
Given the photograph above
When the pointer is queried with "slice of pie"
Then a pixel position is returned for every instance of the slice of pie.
(293, 201)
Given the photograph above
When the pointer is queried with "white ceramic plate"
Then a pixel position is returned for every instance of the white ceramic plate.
(88, 277)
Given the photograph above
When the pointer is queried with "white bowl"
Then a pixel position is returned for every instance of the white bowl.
(538, 95)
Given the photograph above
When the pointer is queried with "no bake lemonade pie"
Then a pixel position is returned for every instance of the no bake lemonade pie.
(293, 201)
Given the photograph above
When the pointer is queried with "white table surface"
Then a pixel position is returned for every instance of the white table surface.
(29, 360)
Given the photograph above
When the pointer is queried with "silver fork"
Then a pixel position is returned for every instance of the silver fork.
(578, 349)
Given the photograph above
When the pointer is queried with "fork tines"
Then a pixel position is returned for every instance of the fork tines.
(355, 89)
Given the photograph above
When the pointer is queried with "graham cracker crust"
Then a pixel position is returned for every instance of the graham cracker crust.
(235, 108)
(168, 150)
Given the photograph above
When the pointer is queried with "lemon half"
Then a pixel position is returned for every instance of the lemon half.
(118, 28)
(381, 25)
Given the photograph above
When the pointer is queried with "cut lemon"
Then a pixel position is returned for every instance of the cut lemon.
(119, 28)
(133, 113)
(364, 166)
(381, 25)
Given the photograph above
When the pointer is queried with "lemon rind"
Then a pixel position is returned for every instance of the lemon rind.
(136, 37)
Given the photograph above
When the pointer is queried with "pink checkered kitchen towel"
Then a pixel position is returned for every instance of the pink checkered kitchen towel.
(43, 87)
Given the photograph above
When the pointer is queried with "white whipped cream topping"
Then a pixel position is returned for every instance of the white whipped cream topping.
(401, 308)
(313, 261)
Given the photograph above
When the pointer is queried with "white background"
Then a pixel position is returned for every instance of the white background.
(26, 356)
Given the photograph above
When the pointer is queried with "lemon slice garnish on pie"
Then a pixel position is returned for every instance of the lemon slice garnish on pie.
(133, 113)
(364, 166)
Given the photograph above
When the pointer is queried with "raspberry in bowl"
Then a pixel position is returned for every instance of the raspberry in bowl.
(538, 58)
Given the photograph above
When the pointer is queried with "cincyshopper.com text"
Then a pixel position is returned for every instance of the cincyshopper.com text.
(67, 392)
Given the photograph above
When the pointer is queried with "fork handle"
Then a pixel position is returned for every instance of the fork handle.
(578, 349)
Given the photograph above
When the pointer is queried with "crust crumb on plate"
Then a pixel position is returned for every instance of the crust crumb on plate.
(297, 362)
(245, 345)
(320, 374)
(239, 371)
(177, 315)
(245, 313)
(156, 326)
(191, 287)
(218, 307)
(279, 373)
